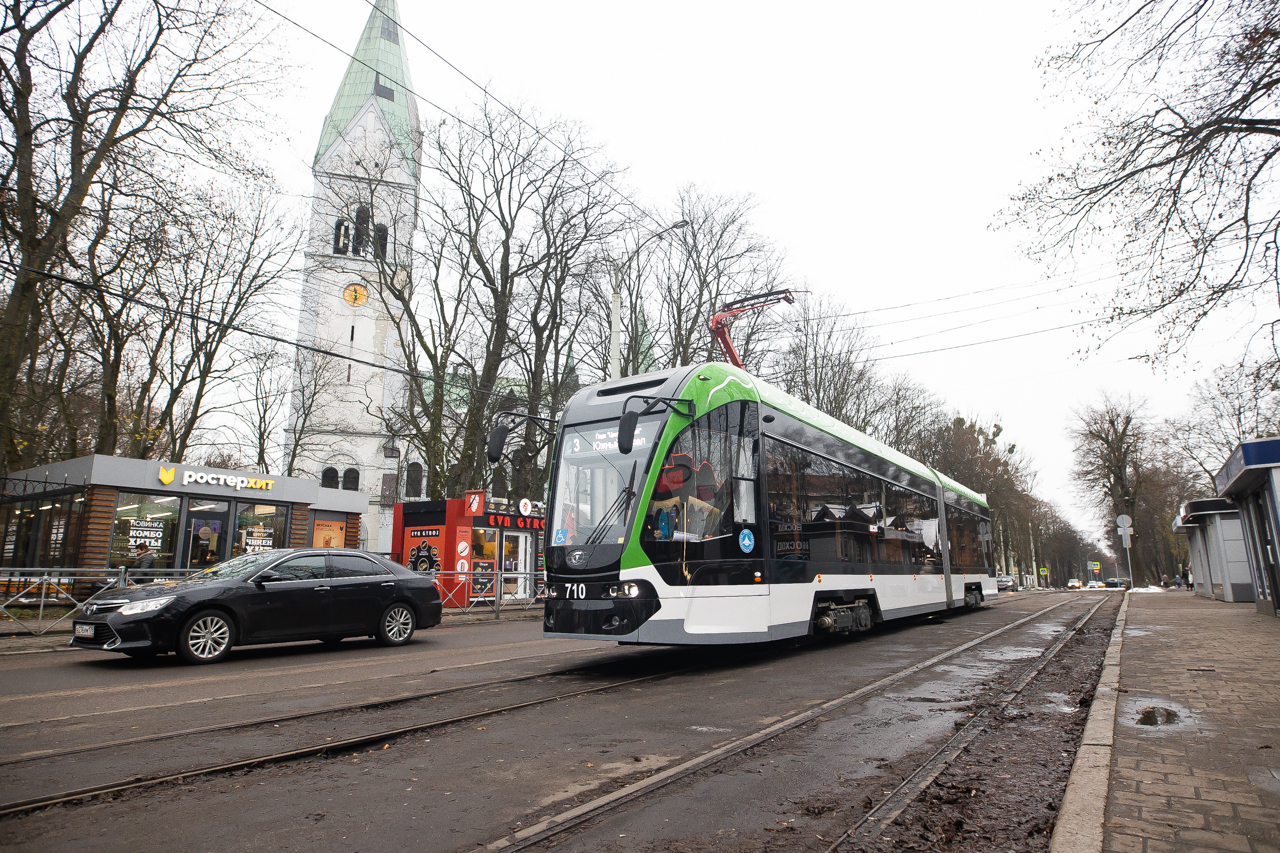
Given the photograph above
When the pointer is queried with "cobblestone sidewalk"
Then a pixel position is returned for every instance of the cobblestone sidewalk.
(1196, 760)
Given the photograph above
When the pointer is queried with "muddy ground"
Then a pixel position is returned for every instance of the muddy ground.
(1003, 792)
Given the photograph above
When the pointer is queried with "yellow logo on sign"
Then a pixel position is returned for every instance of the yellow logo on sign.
(166, 474)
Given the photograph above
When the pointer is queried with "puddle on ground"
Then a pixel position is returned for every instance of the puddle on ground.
(1061, 703)
(1011, 653)
(1048, 630)
(1156, 715)
(1144, 632)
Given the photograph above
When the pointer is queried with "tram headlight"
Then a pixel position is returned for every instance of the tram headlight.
(553, 591)
(631, 590)
(611, 592)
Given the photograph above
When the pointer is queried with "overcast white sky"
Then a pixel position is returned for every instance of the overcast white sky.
(879, 141)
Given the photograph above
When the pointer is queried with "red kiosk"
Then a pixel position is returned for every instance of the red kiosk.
(465, 541)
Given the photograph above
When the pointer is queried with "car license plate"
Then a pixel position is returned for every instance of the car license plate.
(84, 630)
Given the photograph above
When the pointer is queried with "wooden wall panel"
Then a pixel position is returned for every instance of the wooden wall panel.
(300, 526)
(353, 530)
(99, 522)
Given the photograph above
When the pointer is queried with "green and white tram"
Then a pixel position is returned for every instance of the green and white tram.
(703, 506)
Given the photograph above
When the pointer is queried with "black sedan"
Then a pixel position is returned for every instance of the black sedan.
(263, 597)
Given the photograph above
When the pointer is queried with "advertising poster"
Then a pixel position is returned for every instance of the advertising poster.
(329, 534)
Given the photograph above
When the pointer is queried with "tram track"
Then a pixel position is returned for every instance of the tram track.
(599, 807)
(316, 750)
(334, 747)
(884, 813)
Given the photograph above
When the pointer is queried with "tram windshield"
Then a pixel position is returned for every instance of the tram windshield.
(596, 486)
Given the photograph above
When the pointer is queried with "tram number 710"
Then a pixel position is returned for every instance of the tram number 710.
(575, 590)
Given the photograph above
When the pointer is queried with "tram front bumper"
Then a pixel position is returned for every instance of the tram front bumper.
(612, 618)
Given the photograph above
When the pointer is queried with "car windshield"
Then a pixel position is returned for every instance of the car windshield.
(240, 567)
(596, 485)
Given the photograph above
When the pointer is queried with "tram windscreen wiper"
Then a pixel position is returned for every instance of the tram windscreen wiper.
(620, 504)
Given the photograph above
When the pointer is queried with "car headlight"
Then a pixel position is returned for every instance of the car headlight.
(148, 605)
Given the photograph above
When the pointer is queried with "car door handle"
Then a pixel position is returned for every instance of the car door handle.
(322, 589)
(389, 583)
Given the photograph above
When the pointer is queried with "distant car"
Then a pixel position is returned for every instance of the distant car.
(1006, 583)
(1117, 583)
(1074, 583)
(1094, 585)
(263, 597)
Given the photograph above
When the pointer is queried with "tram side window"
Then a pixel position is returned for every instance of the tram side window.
(910, 531)
(819, 509)
(705, 492)
(969, 550)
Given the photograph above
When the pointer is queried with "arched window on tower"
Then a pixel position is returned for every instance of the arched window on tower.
(341, 237)
(361, 236)
(351, 480)
(413, 480)
(329, 478)
(380, 241)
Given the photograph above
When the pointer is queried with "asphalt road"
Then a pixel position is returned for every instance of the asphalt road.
(471, 783)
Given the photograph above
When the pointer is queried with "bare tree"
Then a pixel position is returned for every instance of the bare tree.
(1234, 407)
(826, 363)
(312, 418)
(88, 85)
(1178, 165)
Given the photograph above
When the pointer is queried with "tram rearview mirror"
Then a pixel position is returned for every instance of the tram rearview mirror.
(497, 438)
(627, 431)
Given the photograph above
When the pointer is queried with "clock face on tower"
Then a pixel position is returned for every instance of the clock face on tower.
(355, 295)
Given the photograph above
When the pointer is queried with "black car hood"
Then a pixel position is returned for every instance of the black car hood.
(161, 588)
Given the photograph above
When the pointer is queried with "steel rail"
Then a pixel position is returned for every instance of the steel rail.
(312, 751)
(884, 813)
(552, 826)
(259, 721)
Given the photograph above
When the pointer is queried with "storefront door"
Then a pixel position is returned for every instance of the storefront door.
(517, 564)
(208, 523)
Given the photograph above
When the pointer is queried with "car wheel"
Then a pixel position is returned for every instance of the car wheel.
(396, 625)
(207, 637)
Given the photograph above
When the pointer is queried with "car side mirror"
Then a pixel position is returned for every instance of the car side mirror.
(266, 576)
(497, 438)
(627, 431)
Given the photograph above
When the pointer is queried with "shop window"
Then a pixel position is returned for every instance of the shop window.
(351, 480)
(329, 478)
(361, 236)
(151, 520)
(341, 237)
(208, 523)
(705, 493)
(260, 527)
(41, 533)
(413, 480)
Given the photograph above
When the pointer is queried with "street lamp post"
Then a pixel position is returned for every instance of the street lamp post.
(615, 314)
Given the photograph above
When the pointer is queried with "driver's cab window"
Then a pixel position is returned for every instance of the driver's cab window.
(301, 568)
(705, 493)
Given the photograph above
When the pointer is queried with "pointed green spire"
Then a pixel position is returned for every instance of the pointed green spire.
(379, 69)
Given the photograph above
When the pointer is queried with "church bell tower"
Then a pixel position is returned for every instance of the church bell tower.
(363, 216)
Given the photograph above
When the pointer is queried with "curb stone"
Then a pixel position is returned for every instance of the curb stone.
(1079, 828)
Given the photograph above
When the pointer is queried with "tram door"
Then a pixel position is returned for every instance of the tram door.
(517, 564)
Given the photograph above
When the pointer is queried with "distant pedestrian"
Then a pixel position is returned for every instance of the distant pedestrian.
(1186, 579)
(1177, 581)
